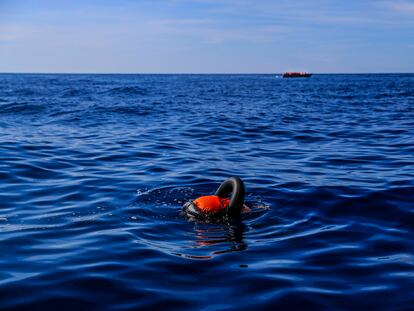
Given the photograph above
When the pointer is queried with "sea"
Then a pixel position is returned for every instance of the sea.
(94, 170)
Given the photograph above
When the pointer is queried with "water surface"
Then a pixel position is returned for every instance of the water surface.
(94, 170)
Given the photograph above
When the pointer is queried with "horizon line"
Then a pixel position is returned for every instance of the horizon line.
(196, 73)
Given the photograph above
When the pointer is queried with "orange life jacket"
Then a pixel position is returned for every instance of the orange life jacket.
(211, 203)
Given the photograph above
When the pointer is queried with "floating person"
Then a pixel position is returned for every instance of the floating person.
(218, 205)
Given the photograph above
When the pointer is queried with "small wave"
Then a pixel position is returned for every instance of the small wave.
(127, 110)
(127, 90)
(74, 92)
(21, 108)
(24, 92)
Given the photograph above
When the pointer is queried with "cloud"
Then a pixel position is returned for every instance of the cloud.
(401, 6)
(14, 32)
(311, 13)
(216, 31)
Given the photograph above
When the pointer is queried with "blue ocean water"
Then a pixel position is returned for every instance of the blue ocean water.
(94, 170)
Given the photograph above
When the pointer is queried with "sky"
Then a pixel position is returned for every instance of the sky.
(206, 36)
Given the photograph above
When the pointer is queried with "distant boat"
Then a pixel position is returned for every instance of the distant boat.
(296, 75)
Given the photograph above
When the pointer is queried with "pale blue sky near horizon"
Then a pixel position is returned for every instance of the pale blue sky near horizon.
(206, 36)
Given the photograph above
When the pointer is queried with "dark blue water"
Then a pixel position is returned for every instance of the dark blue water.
(94, 170)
